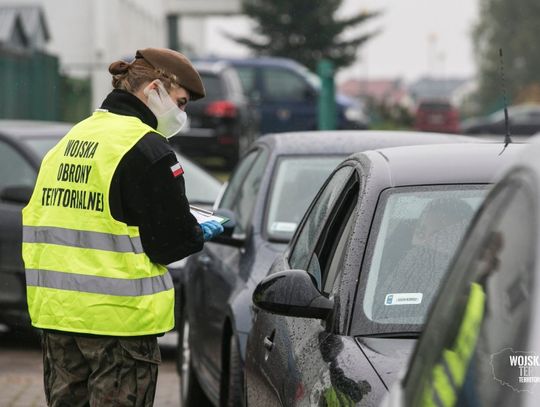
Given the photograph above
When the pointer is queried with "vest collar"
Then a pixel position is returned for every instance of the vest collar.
(125, 103)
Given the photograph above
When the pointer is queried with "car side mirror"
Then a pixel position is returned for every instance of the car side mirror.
(227, 236)
(292, 293)
(20, 194)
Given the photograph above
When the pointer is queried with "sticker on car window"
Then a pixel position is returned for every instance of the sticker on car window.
(283, 227)
(403, 299)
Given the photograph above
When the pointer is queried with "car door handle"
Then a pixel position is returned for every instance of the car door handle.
(268, 343)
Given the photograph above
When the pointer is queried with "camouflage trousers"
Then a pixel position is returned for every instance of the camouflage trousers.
(100, 371)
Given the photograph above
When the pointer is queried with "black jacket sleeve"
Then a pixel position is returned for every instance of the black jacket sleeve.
(146, 193)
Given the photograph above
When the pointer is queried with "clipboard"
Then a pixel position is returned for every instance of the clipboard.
(203, 215)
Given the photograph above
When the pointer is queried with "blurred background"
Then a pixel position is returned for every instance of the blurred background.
(407, 64)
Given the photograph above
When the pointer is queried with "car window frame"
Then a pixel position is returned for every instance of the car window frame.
(342, 212)
(265, 94)
(272, 186)
(294, 240)
(260, 151)
(486, 220)
(25, 150)
(26, 155)
(366, 326)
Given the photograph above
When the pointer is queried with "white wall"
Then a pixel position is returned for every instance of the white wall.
(87, 35)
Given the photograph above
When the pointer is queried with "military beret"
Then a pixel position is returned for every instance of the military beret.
(173, 62)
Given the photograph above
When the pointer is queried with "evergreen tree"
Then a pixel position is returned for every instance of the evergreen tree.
(513, 26)
(304, 30)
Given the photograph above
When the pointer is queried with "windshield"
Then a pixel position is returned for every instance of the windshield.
(41, 145)
(212, 86)
(296, 183)
(201, 187)
(416, 232)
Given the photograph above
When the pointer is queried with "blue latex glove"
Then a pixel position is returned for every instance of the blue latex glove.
(211, 229)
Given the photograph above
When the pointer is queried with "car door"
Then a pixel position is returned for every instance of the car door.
(288, 102)
(216, 270)
(15, 171)
(482, 317)
(299, 346)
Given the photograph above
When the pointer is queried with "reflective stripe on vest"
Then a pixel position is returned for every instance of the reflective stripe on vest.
(98, 285)
(87, 272)
(449, 374)
(82, 239)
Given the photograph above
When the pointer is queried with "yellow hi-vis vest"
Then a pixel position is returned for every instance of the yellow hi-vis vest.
(448, 376)
(85, 271)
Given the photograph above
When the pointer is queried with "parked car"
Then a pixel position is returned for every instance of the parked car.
(23, 144)
(340, 310)
(486, 314)
(436, 115)
(286, 95)
(523, 120)
(223, 123)
(265, 199)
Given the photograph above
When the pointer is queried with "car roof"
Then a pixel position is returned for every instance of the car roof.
(348, 141)
(259, 61)
(211, 66)
(33, 128)
(442, 164)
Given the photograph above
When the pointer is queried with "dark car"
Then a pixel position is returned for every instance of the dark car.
(341, 308)
(286, 95)
(266, 197)
(481, 342)
(23, 144)
(436, 115)
(523, 120)
(223, 123)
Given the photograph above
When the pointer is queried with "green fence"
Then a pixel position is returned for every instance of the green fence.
(30, 86)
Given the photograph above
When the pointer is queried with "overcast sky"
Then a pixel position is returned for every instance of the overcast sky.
(418, 37)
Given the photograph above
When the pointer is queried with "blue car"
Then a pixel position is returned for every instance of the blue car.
(286, 95)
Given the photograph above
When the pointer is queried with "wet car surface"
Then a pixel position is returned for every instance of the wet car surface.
(333, 312)
(486, 313)
(266, 197)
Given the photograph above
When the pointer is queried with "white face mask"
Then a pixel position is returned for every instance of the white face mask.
(169, 116)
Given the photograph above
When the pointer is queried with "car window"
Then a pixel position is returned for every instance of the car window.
(233, 83)
(327, 259)
(415, 234)
(318, 213)
(295, 184)
(247, 77)
(280, 84)
(14, 169)
(212, 86)
(201, 187)
(241, 193)
(483, 313)
(41, 145)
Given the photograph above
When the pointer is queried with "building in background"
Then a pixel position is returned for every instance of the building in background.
(87, 35)
(433, 88)
(186, 22)
(29, 75)
(381, 91)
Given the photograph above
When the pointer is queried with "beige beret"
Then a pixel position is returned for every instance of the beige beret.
(173, 62)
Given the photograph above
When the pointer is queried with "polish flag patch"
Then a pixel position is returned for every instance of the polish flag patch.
(177, 170)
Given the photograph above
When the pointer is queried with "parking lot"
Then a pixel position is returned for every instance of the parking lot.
(21, 380)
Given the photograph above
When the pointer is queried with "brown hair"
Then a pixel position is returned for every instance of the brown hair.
(131, 76)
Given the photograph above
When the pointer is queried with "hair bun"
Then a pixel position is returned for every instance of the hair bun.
(118, 67)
